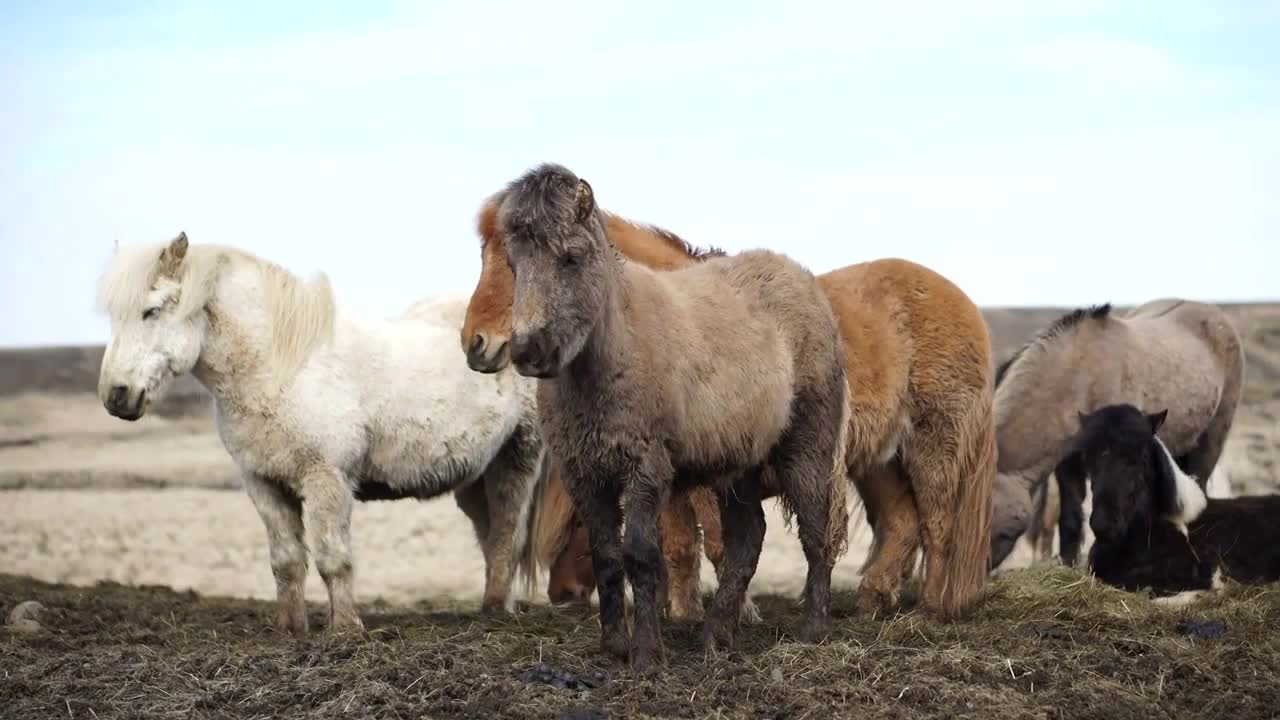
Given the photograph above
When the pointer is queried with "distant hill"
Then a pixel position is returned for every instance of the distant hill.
(53, 432)
(75, 368)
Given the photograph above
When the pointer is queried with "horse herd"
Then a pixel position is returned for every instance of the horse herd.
(627, 403)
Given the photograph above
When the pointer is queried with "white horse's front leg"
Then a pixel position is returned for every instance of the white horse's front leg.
(281, 513)
(326, 512)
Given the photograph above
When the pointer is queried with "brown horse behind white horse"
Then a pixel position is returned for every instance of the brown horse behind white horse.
(1172, 354)
(922, 438)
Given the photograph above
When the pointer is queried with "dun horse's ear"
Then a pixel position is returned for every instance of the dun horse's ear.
(1157, 419)
(585, 201)
(171, 257)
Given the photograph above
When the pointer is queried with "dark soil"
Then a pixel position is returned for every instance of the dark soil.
(1048, 642)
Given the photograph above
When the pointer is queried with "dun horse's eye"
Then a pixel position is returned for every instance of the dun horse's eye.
(150, 313)
(569, 260)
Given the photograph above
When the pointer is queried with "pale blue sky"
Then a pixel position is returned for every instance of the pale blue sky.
(1035, 152)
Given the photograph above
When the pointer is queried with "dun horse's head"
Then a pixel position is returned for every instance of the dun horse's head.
(1127, 469)
(156, 333)
(560, 259)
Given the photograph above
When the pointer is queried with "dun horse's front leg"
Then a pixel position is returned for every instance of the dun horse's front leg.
(743, 525)
(281, 514)
(646, 495)
(326, 512)
(603, 517)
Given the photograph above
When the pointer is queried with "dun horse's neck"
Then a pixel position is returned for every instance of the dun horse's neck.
(604, 351)
(1035, 408)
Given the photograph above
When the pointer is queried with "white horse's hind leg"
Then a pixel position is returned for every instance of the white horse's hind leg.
(508, 485)
(326, 512)
(281, 514)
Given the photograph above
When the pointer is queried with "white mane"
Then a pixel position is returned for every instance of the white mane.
(302, 314)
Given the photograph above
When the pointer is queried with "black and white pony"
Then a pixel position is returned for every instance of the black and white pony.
(1153, 525)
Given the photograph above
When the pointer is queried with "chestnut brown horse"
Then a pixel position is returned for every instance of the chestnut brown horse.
(921, 442)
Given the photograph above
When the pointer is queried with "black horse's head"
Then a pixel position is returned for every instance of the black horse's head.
(1132, 477)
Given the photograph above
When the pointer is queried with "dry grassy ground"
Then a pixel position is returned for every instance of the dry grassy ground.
(1048, 642)
(85, 498)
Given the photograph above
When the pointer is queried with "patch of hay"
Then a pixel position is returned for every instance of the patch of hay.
(1046, 642)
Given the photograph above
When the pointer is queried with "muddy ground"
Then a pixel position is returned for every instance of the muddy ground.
(160, 581)
(1047, 642)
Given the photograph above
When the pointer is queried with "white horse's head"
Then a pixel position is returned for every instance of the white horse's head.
(157, 324)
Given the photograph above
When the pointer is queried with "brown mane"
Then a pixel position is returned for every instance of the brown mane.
(633, 239)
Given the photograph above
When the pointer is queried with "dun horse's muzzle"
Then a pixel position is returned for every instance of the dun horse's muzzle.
(532, 355)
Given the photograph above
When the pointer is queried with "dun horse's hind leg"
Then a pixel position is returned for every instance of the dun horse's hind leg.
(678, 527)
(508, 486)
(706, 505)
(742, 520)
(326, 514)
(1072, 478)
(281, 513)
(887, 497)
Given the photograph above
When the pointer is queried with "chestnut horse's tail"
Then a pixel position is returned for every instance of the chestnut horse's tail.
(838, 491)
(550, 523)
(970, 550)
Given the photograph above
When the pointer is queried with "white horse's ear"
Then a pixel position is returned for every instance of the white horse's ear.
(1157, 419)
(171, 257)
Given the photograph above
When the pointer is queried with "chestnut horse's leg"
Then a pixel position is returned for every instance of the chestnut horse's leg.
(326, 514)
(281, 513)
(647, 492)
(603, 518)
(742, 520)
(897, 536)
(678, 527)
(1072, 478)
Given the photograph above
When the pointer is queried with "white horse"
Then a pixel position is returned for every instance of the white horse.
(319, 409)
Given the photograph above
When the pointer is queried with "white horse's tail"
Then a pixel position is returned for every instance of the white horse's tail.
(527, 550)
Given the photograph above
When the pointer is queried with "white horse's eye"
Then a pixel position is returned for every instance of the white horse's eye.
(150, 313)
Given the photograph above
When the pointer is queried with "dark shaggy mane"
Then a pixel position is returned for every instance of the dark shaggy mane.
(1057, 327)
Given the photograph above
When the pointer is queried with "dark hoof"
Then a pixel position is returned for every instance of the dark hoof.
(717, 635)
(815, 631)
(645, 661)
(616, 644)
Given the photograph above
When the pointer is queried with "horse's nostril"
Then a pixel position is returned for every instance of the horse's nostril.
(477, 344)
(117, 395)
